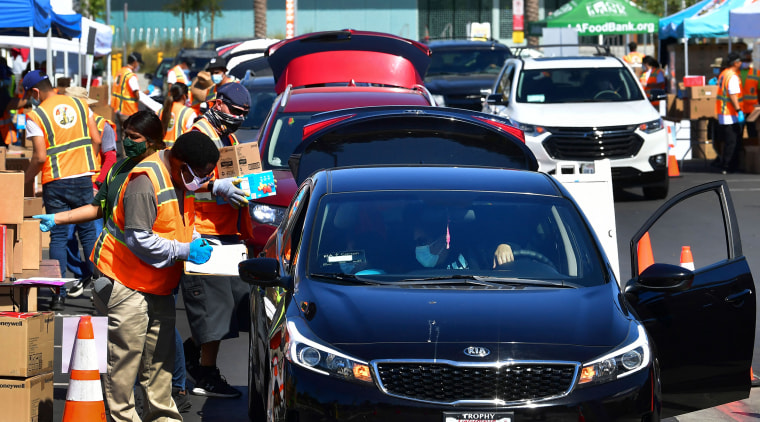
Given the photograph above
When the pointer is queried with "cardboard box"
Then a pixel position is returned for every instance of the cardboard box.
(239, 160)
(2, 158)
(12, 298)
(20, 164)
(11, 197)
(101, 94)
(10, 235)
(27, 400)
(701, 147)
(103, 110)
(33, 206)
(27, 343)
(259, 185)
(699, 108)
(30, 232)
(18, 256)
(3, 252)
(708, 91)
(45, 240)
(675, 108)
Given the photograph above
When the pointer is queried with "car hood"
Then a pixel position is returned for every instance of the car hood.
(585, 114)
(395, 322)
(459, 84)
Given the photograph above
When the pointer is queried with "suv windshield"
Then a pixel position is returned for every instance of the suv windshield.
(466, 61)
(421, 236)
(287, 134)
(577, 85)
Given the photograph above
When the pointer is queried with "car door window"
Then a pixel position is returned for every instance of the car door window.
(294, 228)
(505, 84)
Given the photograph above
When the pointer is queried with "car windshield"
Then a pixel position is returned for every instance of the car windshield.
(445, 237)
(287, 134)
(262, 97)
(466, 61)
(577, 85)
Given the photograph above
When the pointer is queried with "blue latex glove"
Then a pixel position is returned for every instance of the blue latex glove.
(47, 221)
(229, 190)
(200, 251)
(741, 116)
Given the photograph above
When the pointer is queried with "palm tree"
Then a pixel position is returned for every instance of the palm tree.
(181, 8)
(260, 18)
(531, 15)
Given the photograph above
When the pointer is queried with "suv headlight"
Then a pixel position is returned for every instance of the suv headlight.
(311, 354)
(267, 214)
(653, 126)
(531, 130)
(634, 356)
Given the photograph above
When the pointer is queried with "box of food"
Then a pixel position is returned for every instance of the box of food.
(27, 399)
(239, 160)
(258, 185)
(26, 341)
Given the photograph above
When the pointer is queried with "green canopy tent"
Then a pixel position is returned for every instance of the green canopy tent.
(599, 17)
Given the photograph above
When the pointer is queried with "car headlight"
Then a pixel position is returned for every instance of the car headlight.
(439, 100)
(531, 130)
(634, 356)
(653, 126)
(315, 356)
(267, 214)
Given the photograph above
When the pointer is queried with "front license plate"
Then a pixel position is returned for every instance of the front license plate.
(478, 417)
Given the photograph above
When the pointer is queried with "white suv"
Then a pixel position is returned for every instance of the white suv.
(584, 109)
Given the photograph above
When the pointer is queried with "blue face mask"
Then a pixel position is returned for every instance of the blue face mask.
(716, 71)
(216, 78)
(745, 65)
(426, 258)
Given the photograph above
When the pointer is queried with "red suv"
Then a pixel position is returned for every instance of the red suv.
(327, 71)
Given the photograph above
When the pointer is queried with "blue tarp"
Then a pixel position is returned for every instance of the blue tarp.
(706, 19)
(18, 15)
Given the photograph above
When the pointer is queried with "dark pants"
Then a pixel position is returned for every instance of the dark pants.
(731, 137)
(63, 195)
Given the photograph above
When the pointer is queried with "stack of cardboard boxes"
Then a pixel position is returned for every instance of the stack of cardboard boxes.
(26, 369)
(21, 240)
(243, 161)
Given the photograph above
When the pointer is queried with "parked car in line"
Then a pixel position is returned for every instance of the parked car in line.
(261, 89)
(157, 86)
(329, 71)
(379, 297)
(586, 108)
(462, 72)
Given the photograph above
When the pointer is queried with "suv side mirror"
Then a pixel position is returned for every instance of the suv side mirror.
(496, 99)
(149, 76)
(263, 272)
(657, 95)
(664, 278)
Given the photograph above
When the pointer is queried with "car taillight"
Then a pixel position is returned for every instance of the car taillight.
(507, 128)
(314, 127)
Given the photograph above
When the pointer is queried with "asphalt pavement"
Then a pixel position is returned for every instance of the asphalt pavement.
(631, 212)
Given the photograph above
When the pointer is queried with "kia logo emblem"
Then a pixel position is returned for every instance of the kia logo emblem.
(477, 352)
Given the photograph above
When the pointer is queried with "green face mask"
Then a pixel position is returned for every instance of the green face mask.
(134, 149)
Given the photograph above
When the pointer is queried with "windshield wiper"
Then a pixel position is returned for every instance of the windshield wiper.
(345, 277)
(481, 281)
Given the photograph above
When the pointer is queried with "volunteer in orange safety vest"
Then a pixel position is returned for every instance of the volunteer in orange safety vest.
(179, 73)
(728, 108)
(750, 78)
(176, 117)
(652, 77)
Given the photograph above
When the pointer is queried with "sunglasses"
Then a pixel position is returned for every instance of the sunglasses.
(236, 111)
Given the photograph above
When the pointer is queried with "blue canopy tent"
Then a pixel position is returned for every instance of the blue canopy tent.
(706, 19)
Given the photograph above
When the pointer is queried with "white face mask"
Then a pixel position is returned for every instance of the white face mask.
(196, 183)
(426, 258)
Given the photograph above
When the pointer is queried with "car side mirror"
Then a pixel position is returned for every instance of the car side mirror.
(663, 278)
(657, 95)
(263, 272)
(149, 76)
(496, 99)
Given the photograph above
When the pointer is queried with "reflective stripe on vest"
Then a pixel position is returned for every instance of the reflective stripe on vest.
(65, 146)
(122, 100)
(723, 104)
(179, 74)
(749, 90)
(111, 254)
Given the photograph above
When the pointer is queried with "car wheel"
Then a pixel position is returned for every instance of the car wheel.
(256, 411)
(657, 192)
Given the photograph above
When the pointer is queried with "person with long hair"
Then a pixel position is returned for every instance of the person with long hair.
(176, 117)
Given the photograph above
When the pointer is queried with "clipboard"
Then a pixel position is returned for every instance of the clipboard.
(224, 260)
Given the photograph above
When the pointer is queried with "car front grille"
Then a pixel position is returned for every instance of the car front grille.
(452, 382)
(587, 144)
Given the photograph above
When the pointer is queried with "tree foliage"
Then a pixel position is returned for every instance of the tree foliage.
(93, 9)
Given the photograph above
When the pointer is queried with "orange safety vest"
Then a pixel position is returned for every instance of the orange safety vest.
(177, 125)
(111, 254)
(649, 83)
(749, 90)
(218, 219)
(123, 100)
(179, 74)
(723, 104)
(70, 152)
(634, 57)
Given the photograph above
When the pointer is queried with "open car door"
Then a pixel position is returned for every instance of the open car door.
(407, 135)
(348, 56)
(701, 320)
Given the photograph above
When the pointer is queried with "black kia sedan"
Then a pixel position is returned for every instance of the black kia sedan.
(415, 290)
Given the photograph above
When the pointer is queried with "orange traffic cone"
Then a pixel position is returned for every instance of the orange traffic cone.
(84, 400)
(644, 252)
(673, 166)
(687, 261)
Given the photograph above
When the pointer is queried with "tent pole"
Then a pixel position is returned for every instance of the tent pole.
(49, 65)
(31, 47)
(685, 56)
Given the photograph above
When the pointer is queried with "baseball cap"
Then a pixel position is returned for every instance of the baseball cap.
(79, 92)
(33, 78)
(217, 63)
(732, 57)
(135, 56)
(718, 62)
(235, 94)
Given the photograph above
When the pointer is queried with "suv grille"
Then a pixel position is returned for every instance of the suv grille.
(448, 383)
(587, 144)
